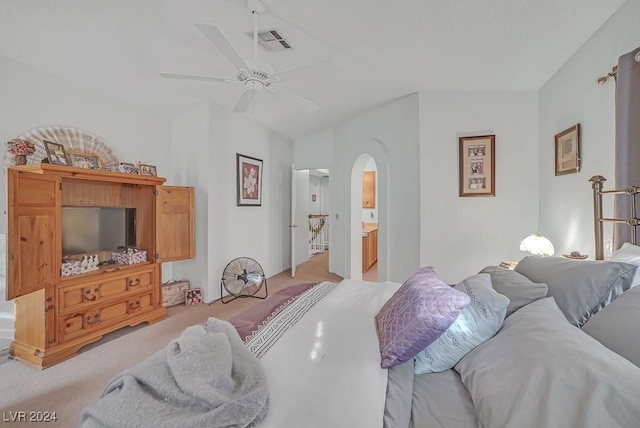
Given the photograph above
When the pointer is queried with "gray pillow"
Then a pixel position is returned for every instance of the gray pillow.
(580, 287)
(518, 288)
(540, 371)
(616, 326)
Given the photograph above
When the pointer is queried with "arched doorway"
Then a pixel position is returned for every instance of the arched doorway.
(369, 223)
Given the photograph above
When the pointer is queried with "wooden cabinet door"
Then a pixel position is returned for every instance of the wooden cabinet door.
(373, 247)
(365, 253)
(175, 228)
(34, 247)
(369, 189)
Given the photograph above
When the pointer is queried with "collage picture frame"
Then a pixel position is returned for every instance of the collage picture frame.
(477, 165)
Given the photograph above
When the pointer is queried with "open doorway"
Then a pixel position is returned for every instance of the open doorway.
(310, 207)
(368, 232)
(370, 220)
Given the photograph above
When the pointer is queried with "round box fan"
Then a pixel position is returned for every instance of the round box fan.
(243, 277)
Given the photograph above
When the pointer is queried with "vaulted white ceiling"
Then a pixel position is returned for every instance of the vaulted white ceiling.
(382, 49)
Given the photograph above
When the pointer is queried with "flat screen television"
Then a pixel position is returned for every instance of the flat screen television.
(92, 229)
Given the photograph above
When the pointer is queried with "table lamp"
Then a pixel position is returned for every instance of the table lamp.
(537, 244)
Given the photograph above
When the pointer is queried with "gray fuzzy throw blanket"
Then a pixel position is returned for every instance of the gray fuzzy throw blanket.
(204, 378)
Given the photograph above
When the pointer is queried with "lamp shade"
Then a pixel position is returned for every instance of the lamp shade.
(537, 244)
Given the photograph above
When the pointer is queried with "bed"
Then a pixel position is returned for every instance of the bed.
(552, 343)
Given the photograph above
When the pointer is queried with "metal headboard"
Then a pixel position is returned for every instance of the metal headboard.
(633, 221)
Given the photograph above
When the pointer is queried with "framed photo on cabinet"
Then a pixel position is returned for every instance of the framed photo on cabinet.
(85, 160)
(128, 168)
(56, 153)
(568, 150)
(477, 165)
(249, 180)
(145, 169)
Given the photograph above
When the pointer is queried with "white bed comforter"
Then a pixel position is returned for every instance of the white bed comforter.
(325, 371)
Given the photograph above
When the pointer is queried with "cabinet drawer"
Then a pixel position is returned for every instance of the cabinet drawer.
(74, 298)
(139, 304)
(80, 323)
(139, 281)
(103, 316)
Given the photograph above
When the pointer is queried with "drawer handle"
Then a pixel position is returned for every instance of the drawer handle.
(87, 292)
(134, 282)
(93, 319)
(135, 306)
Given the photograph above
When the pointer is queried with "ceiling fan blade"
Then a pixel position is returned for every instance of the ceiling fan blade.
(216, 37)
(304, 71)
(245, 100)
(307, 105)
(197, 77)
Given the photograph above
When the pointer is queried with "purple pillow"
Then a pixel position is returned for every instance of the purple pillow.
(416, 315)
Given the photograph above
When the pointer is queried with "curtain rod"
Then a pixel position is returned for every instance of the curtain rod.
(612, 73)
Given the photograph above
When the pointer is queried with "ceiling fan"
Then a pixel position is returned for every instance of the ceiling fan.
(253, 74)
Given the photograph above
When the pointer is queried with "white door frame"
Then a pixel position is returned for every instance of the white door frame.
(299, 217)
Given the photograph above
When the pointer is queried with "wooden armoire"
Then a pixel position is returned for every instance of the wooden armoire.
(55, 316)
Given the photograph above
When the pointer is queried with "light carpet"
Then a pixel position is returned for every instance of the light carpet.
(68, 387)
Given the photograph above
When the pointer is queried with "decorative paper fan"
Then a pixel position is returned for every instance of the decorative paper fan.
(73, 140)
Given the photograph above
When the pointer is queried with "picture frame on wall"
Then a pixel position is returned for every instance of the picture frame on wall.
(56, 153)
(477, 165)
(249, 180)
(568, 158)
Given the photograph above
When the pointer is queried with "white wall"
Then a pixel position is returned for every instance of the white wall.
(317, 183)
(31, 99)
(208, 138)
(461, 235)
(414, 142)
(315, 150)
(192, 163)
(573, 96)
(390, 134)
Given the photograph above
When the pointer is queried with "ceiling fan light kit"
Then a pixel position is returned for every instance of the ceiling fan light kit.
(254, 74)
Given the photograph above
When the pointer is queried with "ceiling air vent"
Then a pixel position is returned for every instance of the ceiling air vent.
(272, 41)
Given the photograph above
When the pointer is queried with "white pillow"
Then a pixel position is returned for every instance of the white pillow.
(628, 253)
(477, 322)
